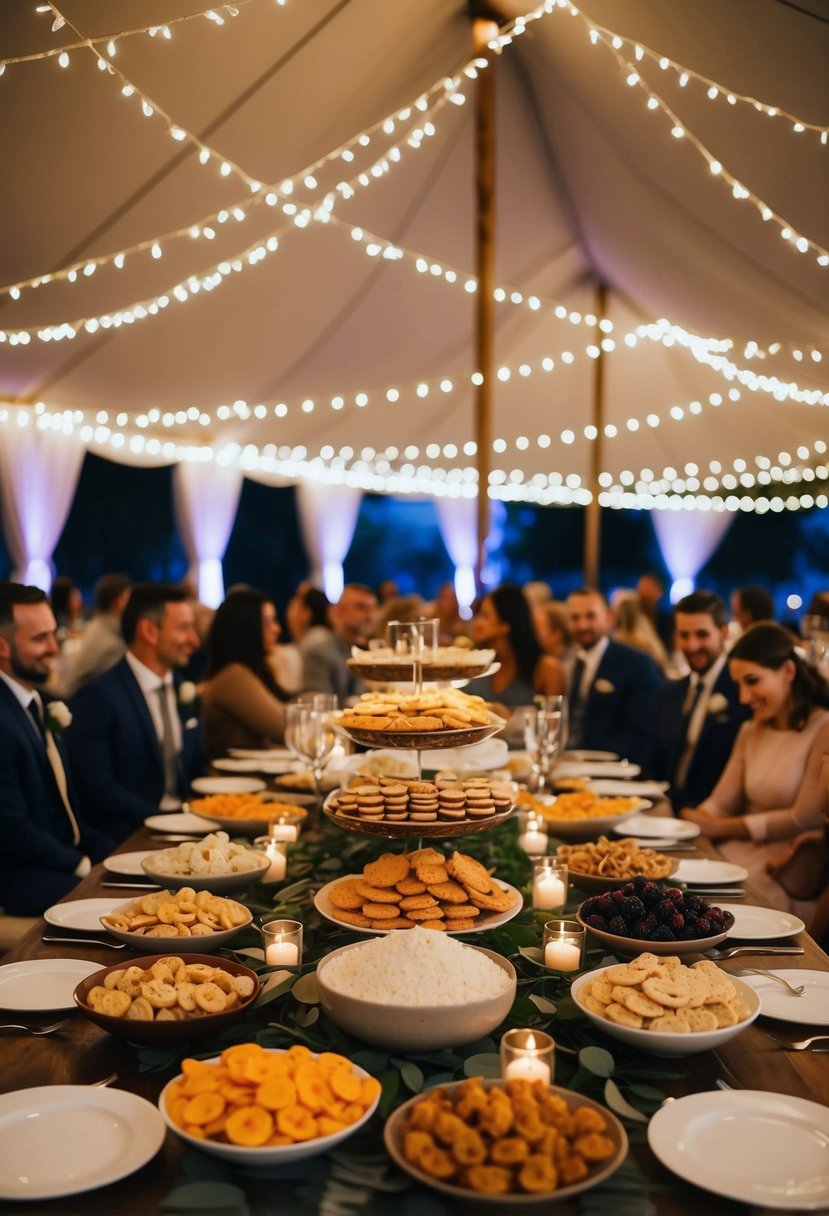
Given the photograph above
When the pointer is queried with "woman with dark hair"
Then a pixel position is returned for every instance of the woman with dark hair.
(504, 624)
(772, 787)
(242, 704)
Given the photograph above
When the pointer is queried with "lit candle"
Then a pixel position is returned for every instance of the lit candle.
(282, 940)
(281, 830)
(562, 955)
(284, 952)
(549, 884)
(534, 840)
(527, 1065)
(279, 862)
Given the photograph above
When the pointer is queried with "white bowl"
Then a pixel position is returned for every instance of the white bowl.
(630, 947)
(266, 1154)
(217, 884)
(663, 1042)
(207, 943)
(587, 828)
(423, 1028)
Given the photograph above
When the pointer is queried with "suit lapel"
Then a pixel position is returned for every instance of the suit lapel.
(132, 690)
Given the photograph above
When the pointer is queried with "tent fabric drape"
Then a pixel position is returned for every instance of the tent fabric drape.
(457, 520)
(39, 473)
(687, 539)
(327, 519)
(206, 497)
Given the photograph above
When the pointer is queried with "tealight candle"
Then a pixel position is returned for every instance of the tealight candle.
(527, 1055)
(284, 831)
(549, 884)
(534, 839)
(563, 945)
(277, 854)
(283, 943)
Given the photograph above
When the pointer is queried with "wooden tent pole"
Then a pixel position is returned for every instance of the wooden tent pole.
(483, 30)
(593, 513)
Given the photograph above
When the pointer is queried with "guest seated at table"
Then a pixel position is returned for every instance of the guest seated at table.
(134, 740)
(47, 845)
(102, 643)
(399, 608)
(504, 624)
(325, 654)
(634, 628)
(772, 788)
(242, 703)
(446, 608)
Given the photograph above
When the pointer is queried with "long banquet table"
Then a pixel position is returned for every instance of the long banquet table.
(81, 1053)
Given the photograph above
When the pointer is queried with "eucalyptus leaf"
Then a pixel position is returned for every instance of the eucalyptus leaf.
(521, 935)
(412, 1077)
(597, 1060)
(307, 1015)
(532, 954)
(645, 1091)
(371, 1061)
(206, 1198)
(305, 989)
(478, 1047)
(542, 1004)
(296, 888)
(331, 863)
(486, 1064)
(616, 1100)
(390, 1083)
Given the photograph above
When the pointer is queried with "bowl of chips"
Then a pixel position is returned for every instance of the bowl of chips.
(583, 814)
(159, 921)
(175, 998)
(661, 1007)
(214, 864)
(601, 865)
(257, 1106)
(248, 814)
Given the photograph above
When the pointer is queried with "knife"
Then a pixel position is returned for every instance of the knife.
(133, 886)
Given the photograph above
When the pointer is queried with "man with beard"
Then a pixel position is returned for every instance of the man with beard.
(325, 652)
(697, 718)
(47, 846)
(134, 741)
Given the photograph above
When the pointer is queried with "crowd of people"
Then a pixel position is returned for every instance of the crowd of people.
(106, 722)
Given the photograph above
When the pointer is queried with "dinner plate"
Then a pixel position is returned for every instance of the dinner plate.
(128, 863)
(322, 902)
(82, 914)
(227, 785)
(581, 756)
(705, 872)
(642, 789)
(810, 1009)
(67, 1139)
(263, 753)
(176, 821)
(243, 764)
(42, 984)
(764, 1149)
(754, 923)
(655, 828)
(596, 768)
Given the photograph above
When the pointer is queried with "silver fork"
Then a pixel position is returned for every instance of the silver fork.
(36, 1030)
(87, 941)
(802, 1044)
(796, 990)
(734, 951)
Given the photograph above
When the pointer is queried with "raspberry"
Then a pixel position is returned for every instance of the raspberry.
(617, 897)
(632, 909)
(677, 896)
(716, 916)
(663, 934)
(618, 925)
(596, 922)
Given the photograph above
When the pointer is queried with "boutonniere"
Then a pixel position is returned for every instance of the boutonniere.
(717, 703)
(58, 717)
(188, 693)
(604, 686)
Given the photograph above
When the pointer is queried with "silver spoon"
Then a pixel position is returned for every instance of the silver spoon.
(36, 1030)
(87, 941)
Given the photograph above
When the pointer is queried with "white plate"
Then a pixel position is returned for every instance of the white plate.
(595, 768)
(176, 821)
(704, 872)
(589, 828)
(655, 828)
(324, 906)
(763, 1149)
(227, 785)
(580, 756)
(81, 914)
(264, 753)
(239, 764)
(128, 863)
(753, 923)
(642, 789)
(42, 984)
(810, 1009)
(67, 1139)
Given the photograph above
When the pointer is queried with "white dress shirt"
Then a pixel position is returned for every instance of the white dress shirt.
(148, 682)
(591, 659)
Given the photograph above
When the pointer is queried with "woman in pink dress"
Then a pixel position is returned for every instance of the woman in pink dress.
(774, 784)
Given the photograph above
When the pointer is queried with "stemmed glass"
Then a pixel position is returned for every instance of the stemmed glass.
(309, 733)
(545, 729)
(417, 638)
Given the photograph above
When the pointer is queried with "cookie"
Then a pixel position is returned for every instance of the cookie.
(724, 1014)
(626, 974)
(434, 913)
(431, 874)
(411, 886)
(345, 895)
(433, 924)
(469, 872)
(449, 892)
(380, 911)
(701, 1019)
(353, 918)
(602, 990)
(425, 857)
(459, 925)
(495, 900)
(415, 903)
(637, 1002)
(387, 870)
(460, 911)
(671, 993)
(622, 1016)
(676, 1023)
(377, 895)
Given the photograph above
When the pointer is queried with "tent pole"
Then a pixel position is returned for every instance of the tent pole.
(593, 512)
(483, 30)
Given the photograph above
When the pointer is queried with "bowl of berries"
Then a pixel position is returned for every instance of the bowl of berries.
(643, 915)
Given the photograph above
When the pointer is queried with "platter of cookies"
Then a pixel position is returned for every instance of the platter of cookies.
(434, 719)
(404, 807)
(454, 894)
(443, 664)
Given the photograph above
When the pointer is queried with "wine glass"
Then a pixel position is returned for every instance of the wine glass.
(309, 734)
(545, 729)
(417, 638)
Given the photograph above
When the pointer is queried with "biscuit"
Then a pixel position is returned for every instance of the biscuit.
(425, 857)
(414, 903)
(458, 926)
(411, 886)
(469, 872)
(460, 911)
(353, 918)
(626, 974)
(345, 895)
(400, 922)
(433, 924)
(701, 1019)
(377, 895)
(431, 874)
(676, 1023)
(421, 914)
(380, 911)
(450, 892)
(672, 993)
(495, 900)
(387, 870)
(622, 1016)
(637, 1002)
(602, 990)
(724, 1015)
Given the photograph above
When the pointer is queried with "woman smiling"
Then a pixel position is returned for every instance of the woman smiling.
(771, 788)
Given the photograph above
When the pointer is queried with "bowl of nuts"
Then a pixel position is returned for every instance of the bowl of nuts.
(155, 1001)
(157, 922)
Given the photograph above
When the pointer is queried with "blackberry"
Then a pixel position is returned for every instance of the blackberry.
(617, 897)
(677, 922)
(650, 895)
(664, 911)
(716, 916)
(639, 883)
(663, 934)
(596, 922)
(629, 888)
(618, 925)
(632, 909)
(677, 896)
(606, 905)
(590, 906)
(695, 904)
(704, 927)
(646, 927)
(689, 933)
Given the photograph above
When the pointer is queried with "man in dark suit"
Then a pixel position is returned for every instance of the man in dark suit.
(47, 845)
(134, 745)
(697, 718)
(613, 688)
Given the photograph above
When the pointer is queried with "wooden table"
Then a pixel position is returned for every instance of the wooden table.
(81, 1053)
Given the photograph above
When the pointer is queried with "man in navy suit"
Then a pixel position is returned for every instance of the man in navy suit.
(134, 746)
(47, 847)
(697, 718)
(613, 688)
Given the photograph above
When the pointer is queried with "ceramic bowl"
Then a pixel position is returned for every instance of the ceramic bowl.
(207, 943)
(422, 1028)
(161, 1034)
(217, 884)
(629, 947)
(667, 1043)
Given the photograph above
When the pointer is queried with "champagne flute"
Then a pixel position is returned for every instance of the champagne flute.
(545, 728)
(310, 736)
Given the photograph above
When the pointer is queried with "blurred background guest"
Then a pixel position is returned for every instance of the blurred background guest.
(67, 605)
(634, 628)
(102, 643)
(749, 605)
(325, 654)
(399, 608)
(504, 624)
(387, 590)
(649, 593)
(552, 630)
(446, 608)
(242, 702)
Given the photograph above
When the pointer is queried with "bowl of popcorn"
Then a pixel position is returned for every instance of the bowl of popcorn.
(157, 922)
(214, 864)
(257, 1106)
(155, 1001)
(662, 1007)
(427, 990)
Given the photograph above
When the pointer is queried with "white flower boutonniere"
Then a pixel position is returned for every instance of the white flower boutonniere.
(187, 693)
(58, 717)
(717, 703)
(604, 686)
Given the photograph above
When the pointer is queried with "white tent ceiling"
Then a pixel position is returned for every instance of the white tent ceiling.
(591, 187)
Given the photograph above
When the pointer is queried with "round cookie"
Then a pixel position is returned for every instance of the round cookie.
(377, 895)
(380, 911)
(387, 870)
(345, 895)
(622, 1016)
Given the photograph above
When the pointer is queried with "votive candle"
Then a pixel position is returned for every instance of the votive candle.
(527, 1055)
(283, 943)
(563, 945)
(549, 884)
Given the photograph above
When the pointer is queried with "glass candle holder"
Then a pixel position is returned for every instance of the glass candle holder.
(549, 884)
(277, 853)
(562, 948)
(528, 1055)
(283, 831)
(533, 839)
(282, 941)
